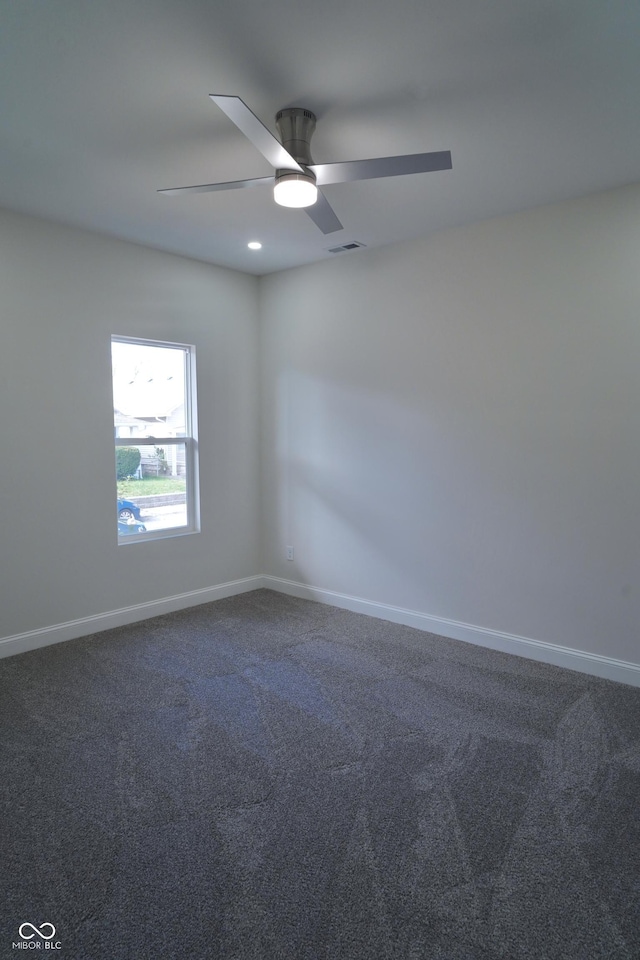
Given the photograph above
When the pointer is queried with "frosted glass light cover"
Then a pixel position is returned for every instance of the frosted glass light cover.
(295, 191)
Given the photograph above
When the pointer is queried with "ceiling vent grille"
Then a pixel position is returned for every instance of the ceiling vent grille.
(345, 247)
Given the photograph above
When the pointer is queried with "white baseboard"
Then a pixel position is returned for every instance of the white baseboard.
(595, 664)
(592, 663)
(33, 639)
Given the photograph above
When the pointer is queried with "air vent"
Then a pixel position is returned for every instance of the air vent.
(353, 245)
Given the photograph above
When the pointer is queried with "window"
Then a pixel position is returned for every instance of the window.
(154, 421)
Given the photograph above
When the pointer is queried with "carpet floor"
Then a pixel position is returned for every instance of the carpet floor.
(267, 778)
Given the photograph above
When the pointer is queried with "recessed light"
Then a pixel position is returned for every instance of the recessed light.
(254, 245)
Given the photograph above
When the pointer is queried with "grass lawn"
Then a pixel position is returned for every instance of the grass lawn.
(150, 485)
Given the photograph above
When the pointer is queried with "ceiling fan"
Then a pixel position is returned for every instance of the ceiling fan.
(297, 177)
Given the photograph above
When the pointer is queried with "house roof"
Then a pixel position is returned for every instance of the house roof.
(150, 402)
(122, 419)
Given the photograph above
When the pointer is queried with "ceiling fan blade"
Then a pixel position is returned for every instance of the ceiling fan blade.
(255, 131)
(211, 187)
(322, 215)
(350, 170)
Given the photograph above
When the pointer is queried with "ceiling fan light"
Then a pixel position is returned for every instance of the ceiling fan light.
(295, 190)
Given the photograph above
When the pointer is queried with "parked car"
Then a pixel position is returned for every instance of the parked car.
(128, 511)
(128, 528)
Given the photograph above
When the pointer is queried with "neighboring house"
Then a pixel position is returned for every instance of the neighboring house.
(126, 426)
(170, 425)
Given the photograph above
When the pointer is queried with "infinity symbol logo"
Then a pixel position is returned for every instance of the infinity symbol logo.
(40, 932)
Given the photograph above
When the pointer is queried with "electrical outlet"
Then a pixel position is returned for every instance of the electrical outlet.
(289, 553)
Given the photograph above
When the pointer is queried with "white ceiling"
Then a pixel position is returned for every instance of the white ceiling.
(103, 102)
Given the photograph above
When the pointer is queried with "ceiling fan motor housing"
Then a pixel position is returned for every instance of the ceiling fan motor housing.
(295, 126)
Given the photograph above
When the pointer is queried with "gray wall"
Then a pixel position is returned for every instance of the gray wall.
(450, 426)
(63, 293)
(453, 426)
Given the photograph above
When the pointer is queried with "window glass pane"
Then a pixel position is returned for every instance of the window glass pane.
(151, 406)
(148, 389)
(156, 495)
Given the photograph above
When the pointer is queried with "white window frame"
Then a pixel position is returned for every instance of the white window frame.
(190, 441)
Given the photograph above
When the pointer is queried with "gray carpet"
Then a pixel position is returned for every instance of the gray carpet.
(265, 778)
